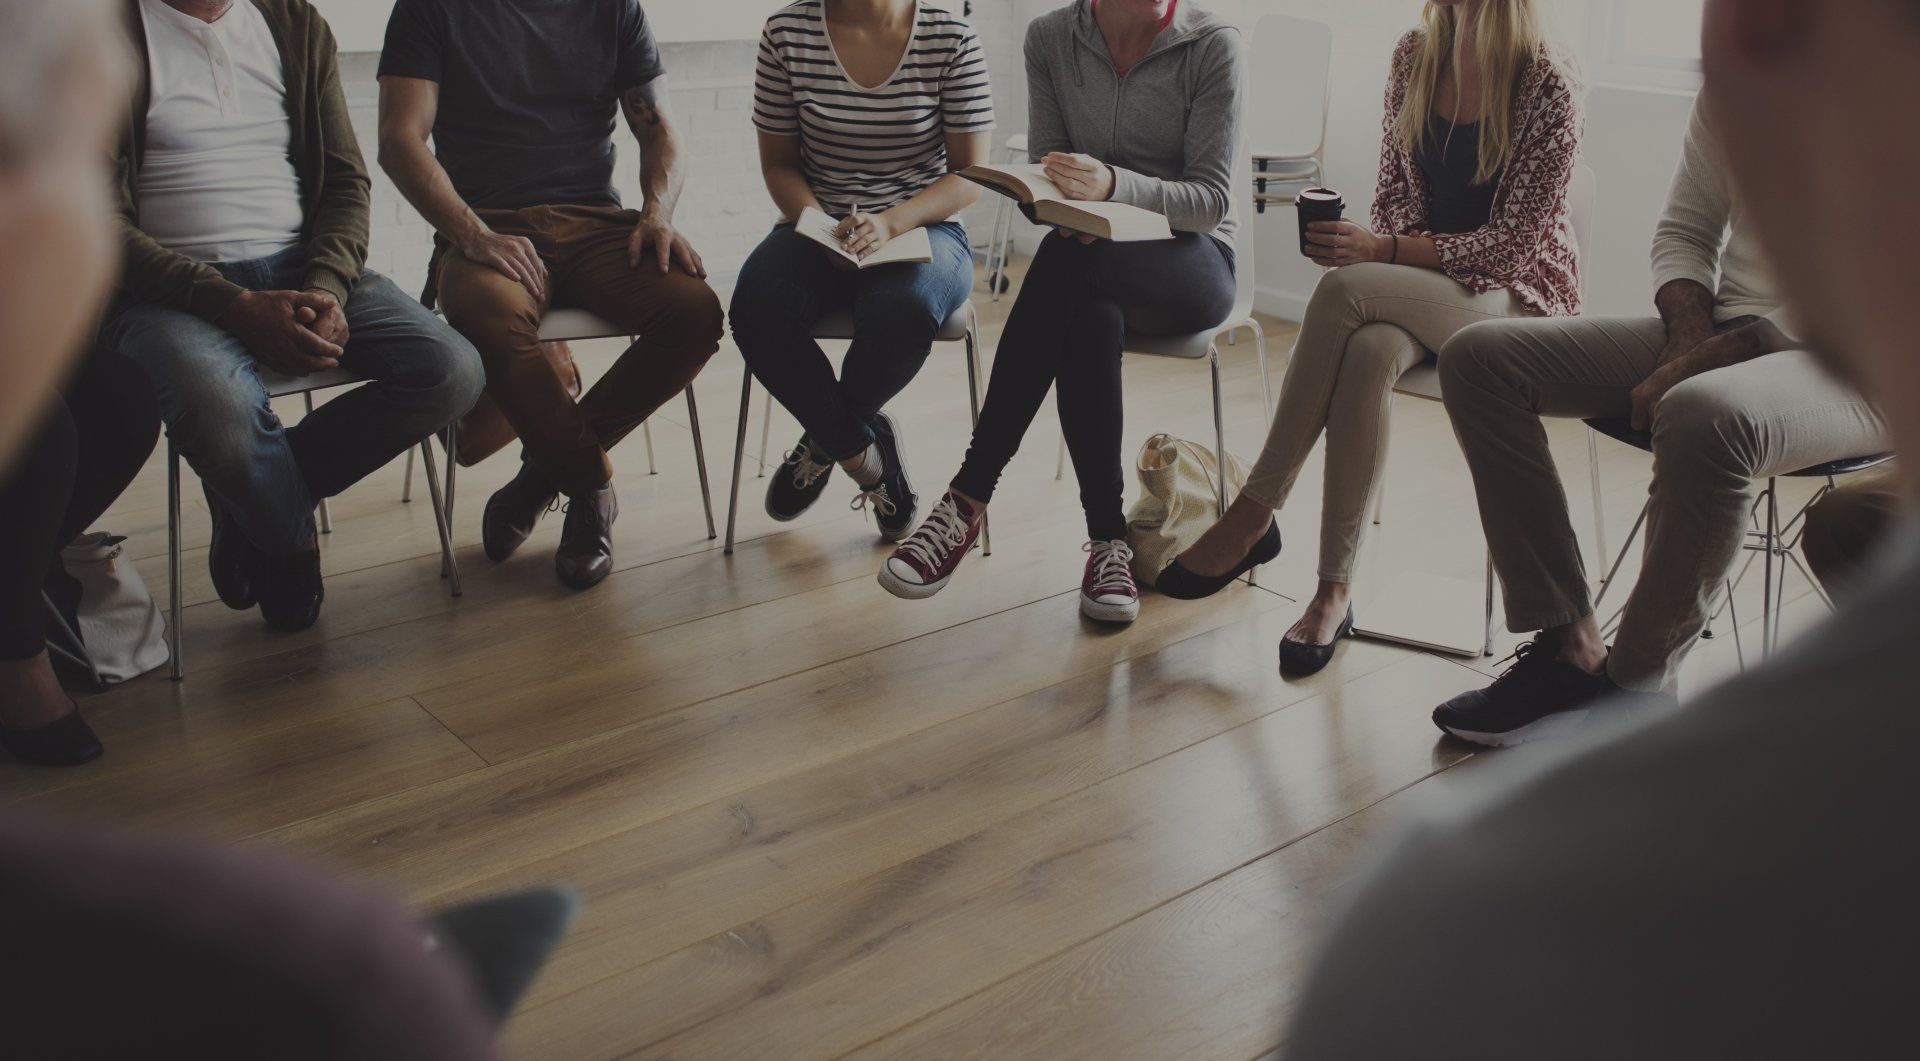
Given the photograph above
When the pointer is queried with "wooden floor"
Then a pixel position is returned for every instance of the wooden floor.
(810, 820)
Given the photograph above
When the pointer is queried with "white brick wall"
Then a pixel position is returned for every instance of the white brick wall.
(724, 210)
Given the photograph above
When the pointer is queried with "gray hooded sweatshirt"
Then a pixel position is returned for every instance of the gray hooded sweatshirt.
(1169, 129)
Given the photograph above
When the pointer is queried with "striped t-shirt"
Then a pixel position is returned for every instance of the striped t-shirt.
(870, 147)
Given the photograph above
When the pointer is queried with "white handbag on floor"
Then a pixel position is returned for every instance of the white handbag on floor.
(119, 623)
(1177, 501)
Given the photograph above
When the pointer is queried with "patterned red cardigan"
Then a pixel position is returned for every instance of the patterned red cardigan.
(1527, 247)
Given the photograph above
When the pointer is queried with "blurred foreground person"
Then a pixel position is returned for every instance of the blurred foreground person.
(1736, 879)
(118, 947)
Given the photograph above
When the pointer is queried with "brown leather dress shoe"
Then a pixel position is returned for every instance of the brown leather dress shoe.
(513, 510)
(585, 556)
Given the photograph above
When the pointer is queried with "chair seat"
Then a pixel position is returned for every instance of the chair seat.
(1622, 430)
(565, 322)
(839, 325)
(1192, 347)
(1420, 381)
(280, 386)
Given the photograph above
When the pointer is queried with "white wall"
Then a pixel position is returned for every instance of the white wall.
(360, 25)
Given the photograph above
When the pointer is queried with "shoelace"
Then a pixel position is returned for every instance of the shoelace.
(1522, 653)
(1110, 570)
(805, 470)
(944, 531)
(883, 505)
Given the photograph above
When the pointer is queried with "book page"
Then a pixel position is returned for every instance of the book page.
(1029, 176)
(818, 227)
(911, 246)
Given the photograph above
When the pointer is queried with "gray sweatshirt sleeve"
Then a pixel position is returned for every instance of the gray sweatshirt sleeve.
(1197, 202)
(1046, 127)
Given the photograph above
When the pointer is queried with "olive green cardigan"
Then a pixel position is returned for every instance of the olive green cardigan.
(333, 178)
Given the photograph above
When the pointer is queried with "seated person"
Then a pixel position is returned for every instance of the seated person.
(245, 209)
(863, 135)
(1473, 224)
(1167, 146)
(520, 100)
(1730, 396)
(92, 442)
(1732, 880)
(69, 442)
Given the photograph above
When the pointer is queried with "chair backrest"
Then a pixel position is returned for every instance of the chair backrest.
(1581, 193)
(1291, 60)
(1243, 258)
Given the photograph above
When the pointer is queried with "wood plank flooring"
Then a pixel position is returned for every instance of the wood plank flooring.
(810, 820)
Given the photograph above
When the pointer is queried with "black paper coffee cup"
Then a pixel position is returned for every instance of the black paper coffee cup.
(1317, 204)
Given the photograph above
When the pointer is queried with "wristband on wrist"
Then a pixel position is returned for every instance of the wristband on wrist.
(1395, 260)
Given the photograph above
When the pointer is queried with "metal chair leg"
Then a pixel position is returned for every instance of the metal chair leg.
(449, 563)
(326, 511)
(739, 453)
(646, 435)
(1260, 355)
(1380, 501)
(77, 653)
(452, 443)
(1769, 610)
(973, 407)
(700, 462)
(1486, 646)
(766, 428)
(1607, 583)
(1219, 432)
(1060, 462)
(175, 620)
(406, 481)
(1599, 515)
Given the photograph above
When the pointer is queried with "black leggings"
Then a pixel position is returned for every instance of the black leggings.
(1076, 305)
(90, 445)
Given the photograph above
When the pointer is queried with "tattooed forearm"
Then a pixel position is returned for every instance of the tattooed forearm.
(645, 107)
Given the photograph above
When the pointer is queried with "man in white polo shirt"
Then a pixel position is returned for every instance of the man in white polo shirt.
(245, 206)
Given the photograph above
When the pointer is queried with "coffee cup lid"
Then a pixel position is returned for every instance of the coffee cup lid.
(1320, 194)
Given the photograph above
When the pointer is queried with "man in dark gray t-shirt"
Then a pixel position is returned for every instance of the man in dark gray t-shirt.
(519, 99)
(1740, 879)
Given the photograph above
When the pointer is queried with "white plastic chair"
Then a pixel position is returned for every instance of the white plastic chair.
(961, 326)
(1000, 236)
(562, 324)
(279, 386)
(1423, 381)
(1291, 60)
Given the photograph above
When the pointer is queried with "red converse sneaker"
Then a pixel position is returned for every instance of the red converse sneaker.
(1107, 592)
(923, 563)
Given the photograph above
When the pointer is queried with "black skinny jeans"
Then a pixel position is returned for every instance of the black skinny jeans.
(90, 445)
(1076, 305)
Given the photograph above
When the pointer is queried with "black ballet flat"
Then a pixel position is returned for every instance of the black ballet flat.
(1301, 660)
(1181, 584)
(66, 741)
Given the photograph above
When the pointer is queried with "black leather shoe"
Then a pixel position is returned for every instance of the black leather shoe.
(66, 741)
(1181, 584)
(230, 560)
(290, 590)
(585, 556)
(1299, 659)
(796, 484)
(512, 511)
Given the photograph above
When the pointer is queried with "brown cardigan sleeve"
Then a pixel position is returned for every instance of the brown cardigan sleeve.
(337, 225)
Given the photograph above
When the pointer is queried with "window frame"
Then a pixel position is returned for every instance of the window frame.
(1615, 63)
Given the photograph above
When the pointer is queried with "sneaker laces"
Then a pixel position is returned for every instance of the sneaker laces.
(882, 502)
(1110, 566)
(1526, 657)
(944, 531)
(806, 471)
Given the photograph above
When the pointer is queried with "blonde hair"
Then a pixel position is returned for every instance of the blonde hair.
(1507, 40)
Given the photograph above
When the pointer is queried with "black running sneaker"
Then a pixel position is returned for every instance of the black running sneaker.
(891, 500)
(291, 590)
(1540, 696)
(797, 483)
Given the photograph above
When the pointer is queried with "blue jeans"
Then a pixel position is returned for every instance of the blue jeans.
(268, 476)
(789, 283)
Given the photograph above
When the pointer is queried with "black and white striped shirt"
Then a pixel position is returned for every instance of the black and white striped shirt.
(870, 147)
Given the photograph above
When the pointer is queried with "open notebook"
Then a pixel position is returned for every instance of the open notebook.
(910, 246)
(1027, 183)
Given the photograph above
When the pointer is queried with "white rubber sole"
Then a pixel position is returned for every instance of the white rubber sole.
(1548, 728)
(1109, 613)
(900, 587)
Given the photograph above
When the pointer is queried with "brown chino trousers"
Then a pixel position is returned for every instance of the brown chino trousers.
(676, 315)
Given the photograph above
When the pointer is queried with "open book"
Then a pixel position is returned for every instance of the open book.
(906, 247)
(1027, 183)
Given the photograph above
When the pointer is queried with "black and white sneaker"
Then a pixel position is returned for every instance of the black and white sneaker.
(1540, 696)
(798, 482)
(891, 500)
